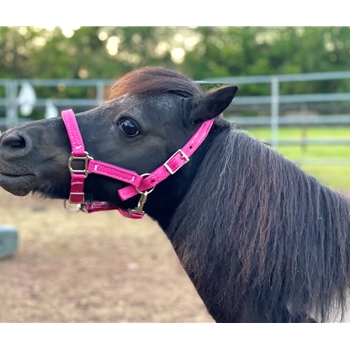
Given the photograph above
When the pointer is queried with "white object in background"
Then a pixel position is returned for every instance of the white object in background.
(8, 241)
(50, 111)
(26, 98)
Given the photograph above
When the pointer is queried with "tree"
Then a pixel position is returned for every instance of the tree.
(200, 52)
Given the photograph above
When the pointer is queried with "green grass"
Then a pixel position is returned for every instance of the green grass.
(296, 132)
(334, 176)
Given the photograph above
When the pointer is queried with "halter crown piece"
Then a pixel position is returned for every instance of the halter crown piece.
(138, 184)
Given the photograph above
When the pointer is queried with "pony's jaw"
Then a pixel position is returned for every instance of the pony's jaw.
(18, 185)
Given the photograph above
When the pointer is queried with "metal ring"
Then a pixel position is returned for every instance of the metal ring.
(148, 191)
(71, 207)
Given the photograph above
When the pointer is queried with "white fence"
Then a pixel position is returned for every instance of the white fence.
(274, 103)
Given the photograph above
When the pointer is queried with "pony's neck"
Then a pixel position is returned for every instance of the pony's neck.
(255, 234)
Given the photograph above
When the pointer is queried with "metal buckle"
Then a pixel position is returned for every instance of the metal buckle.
(183, 156)
(86, 160)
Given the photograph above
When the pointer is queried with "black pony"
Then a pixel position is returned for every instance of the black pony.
(260, 240)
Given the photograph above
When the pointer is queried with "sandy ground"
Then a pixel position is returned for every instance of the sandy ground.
(97, 267)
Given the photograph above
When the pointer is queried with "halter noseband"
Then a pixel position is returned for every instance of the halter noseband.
(138, 184)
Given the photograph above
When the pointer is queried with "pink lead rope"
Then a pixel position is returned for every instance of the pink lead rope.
(138, 184)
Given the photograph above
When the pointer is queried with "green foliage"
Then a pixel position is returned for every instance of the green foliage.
(200, 52)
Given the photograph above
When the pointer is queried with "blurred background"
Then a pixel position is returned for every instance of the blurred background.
(293, 93)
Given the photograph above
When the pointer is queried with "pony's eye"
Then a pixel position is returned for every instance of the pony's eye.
(128, 128)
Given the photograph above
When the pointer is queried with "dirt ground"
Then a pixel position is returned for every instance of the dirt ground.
(96, 267)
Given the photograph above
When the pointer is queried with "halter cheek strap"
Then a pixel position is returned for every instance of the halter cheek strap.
(172, 165)
(138, 184)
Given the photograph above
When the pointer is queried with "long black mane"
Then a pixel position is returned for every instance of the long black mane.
(255, 230)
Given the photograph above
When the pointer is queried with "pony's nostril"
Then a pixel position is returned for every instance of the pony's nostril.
(15, 145)
(14, 142)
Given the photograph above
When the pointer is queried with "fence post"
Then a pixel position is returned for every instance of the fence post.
(11, 88)
(100, 92)
(274, 111)
(8, 241)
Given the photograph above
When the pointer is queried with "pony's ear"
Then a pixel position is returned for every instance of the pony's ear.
(213, 104)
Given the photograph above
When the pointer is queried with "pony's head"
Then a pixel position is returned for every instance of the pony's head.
(152, 112)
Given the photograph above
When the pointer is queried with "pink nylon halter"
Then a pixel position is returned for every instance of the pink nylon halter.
(138, 184)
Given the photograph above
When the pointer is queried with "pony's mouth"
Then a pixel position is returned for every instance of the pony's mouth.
(19, 185)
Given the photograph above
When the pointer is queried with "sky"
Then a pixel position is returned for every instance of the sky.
(177, 13)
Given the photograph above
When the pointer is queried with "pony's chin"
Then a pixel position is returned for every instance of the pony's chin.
(18, 185)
